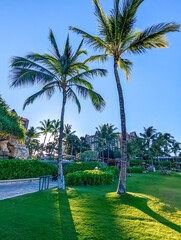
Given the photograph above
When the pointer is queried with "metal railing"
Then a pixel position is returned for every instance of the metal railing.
(44, 182)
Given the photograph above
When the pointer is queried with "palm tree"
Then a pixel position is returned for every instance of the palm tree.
(101, 137)
(54, 133)
(67, 133)
(31, 136)
(111, 136)
(45, 128)
(175, 148)
(168, 141)
(117, 37)
(63, 72)
(149, 135)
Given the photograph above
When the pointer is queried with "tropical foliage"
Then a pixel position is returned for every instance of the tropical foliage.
(10, 124)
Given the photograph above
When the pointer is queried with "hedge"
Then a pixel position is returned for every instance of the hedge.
(18, 169)
(135, 169)
(89, 177)
(80, 166)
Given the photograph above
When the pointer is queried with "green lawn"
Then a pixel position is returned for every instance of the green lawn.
(150, 210)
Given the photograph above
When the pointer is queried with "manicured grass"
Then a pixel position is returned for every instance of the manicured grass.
(150, 210)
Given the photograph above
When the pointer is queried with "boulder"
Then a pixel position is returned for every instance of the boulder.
(18, 150)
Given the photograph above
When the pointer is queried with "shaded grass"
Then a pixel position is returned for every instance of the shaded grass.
(150, 210)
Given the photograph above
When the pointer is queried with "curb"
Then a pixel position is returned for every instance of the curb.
(2, 182)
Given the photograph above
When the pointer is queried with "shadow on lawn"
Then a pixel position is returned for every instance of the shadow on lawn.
(141, 204)
(66, 220)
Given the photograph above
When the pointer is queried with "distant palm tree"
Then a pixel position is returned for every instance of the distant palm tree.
(45, 128)
(101, 137)
(67, 133)
(55, 130)
(117, 37)
(31, 136)
(63, 72)
(149, 135)
(168, 141)
(111, 136)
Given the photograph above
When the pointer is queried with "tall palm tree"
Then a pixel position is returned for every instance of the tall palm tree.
(63, 72)
(117, 37)
(45, 128)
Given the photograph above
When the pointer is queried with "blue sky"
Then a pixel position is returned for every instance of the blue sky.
(152, 97)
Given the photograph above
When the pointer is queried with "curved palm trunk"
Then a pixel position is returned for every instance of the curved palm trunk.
(61, 183)
(122, 176)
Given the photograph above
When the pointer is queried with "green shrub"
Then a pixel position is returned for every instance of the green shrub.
(80, 166)
(135, 169)
(87, 156)
(17, 169)
(89, 177)
(134, 162)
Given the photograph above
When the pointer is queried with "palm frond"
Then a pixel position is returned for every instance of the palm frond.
(20, 62)
(94, 42)
(54, 44)
(79, 66)
(67, 50)
(49, 91)
(78, 52)
(26, 77)
(127, 17)
(153, 37)
(96, 99)
(103, 25)
(126, 66)
(74, 81)
(71, 95)
(89, 74)
(103, 58)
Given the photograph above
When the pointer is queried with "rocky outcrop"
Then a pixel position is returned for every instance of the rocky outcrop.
(14, 149)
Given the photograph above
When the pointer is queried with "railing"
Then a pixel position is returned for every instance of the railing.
(44, 182)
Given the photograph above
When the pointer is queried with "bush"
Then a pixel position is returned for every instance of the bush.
(135, 169)
(135, 162)
(89, 177)
(17, 169)
(80, 166)
(87, 156)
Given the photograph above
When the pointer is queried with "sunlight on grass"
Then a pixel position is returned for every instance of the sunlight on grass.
(141, 216)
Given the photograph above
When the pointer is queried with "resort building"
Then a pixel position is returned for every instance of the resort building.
(25, 121)
(92, 139)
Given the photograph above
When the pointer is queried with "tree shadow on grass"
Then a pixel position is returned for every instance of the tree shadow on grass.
(142, 205)
(66, 220)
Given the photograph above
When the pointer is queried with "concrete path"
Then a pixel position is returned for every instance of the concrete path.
(17, 189)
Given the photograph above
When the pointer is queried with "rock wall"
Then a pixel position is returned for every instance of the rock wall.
(14, 149)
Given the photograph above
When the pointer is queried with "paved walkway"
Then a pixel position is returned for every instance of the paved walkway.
(17, 189)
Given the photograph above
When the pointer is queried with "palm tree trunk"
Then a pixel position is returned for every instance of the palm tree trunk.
(122, 176)
(61, 183)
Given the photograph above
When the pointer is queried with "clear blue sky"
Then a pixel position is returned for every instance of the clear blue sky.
(152, 97)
